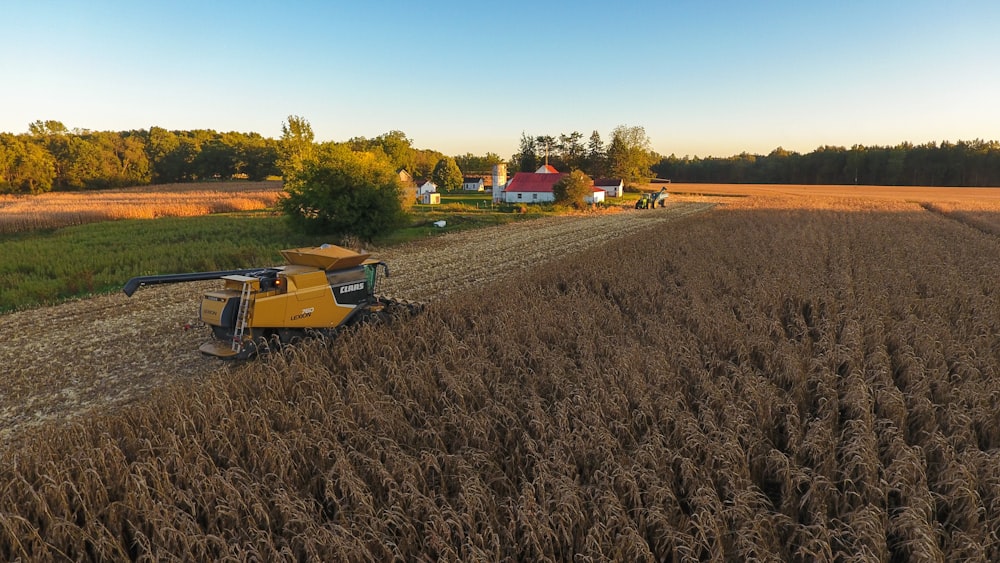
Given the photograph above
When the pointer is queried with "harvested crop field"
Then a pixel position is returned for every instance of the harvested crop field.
(776, 379)
(63, 360)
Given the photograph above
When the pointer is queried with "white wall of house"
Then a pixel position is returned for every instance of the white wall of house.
(528, 197)
(426, 188)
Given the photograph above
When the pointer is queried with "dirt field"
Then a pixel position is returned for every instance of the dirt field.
(62, 361)
(969, 196)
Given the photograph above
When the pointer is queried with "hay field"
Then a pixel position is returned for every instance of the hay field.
(62, 209)
(782, 378)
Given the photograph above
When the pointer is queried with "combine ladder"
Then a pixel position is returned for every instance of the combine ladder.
(242, 317)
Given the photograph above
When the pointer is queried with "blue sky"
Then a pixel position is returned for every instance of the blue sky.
(706, 78)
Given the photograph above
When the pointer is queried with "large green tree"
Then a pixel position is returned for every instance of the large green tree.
(216, 159)
(571, 150)
(527, 157)
(447, 175)
(25, 165)
(630, 155)
(343, 192)
(256, 156)
(39, 128)
(296, 145)
(471, 163)
(573, 189)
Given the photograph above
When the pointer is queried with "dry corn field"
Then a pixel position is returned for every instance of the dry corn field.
(63, 209)
(783, 379)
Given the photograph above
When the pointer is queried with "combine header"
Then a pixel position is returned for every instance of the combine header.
(320, 289)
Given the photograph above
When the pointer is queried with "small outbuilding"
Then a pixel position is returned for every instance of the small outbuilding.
(430, 198)
(596, 197)
(426, 188)
(615, 187)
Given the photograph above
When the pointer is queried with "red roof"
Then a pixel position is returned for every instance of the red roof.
(533, 182)
(548, 169)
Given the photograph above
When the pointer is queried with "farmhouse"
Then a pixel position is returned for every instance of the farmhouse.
(473, 184)
(426, 188)
(536, 187)
(614, 187)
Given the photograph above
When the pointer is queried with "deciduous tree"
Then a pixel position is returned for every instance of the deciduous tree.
(470, 163)
(630, 155)
(447, 175)
(25, 166)
(343, 192)
(296, 144)
(573, 189)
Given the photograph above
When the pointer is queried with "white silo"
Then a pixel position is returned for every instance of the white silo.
(499, 181)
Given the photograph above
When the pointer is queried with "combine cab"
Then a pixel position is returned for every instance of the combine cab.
(320, 289)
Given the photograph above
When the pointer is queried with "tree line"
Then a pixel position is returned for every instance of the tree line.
(51, 156)
(964, 163)
(629, 156)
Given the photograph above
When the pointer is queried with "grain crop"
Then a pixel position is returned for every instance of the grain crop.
(63, 209)
(772, 381)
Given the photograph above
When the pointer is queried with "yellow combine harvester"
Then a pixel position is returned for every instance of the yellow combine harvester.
(321, 288)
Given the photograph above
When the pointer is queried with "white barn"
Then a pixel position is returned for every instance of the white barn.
(536, 187)
(531, 187)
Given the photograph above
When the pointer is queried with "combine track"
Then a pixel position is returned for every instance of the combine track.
(61, 361)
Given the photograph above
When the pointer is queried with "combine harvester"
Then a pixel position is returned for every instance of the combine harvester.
(321, 289)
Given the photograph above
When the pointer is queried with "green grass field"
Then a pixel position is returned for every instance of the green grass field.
(50, 266)
(46, 267)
